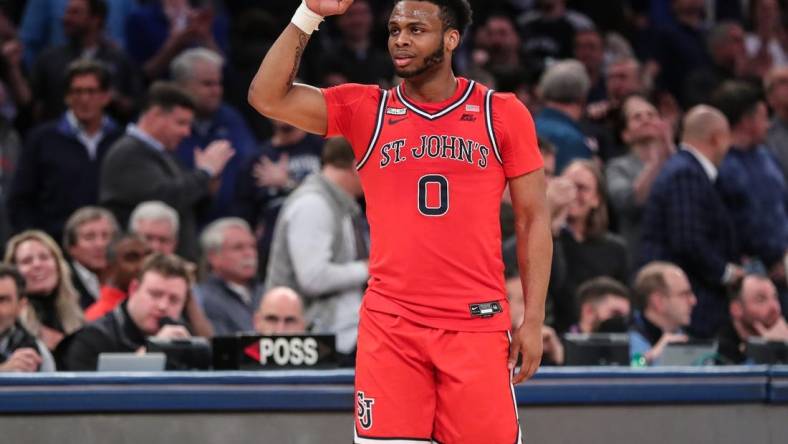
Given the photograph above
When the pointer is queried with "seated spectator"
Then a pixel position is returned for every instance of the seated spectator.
(604, 306)
(59, 168)
(751, 183)
(125, 256)
(754, 313)
(83, 24)
(157, 31)
(139, 166)
(776, 86)
(199, 72)
(281, 312)
(588, 249)
(269, 175)
(629, 177)
(20, 351)
(563, 88)
(666, 301)
(230, 294)
(88, 233)
(157, 223)
(319, 249)
(156, 299)
(685, 221)
(53, 304)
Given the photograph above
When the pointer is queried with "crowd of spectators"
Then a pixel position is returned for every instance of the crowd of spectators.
(126, 138)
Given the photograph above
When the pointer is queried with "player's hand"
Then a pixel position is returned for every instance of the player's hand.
(22, 360)
(528, 341)
(328, 7)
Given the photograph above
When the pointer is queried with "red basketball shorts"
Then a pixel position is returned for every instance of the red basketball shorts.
(417, 384)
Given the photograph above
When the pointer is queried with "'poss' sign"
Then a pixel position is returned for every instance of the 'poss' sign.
(295, 351)
(250, 352)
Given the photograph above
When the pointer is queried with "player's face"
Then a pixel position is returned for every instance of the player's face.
(416, 38)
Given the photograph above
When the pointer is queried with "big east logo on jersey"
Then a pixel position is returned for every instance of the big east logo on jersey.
(434, 147)
(284, 351)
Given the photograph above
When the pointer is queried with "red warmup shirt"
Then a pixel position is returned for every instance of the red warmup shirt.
(433, 175)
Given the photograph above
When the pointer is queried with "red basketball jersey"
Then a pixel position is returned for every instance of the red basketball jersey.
(433, 175)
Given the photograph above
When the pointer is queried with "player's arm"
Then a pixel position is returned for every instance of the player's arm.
(272, 91)
(534, 255)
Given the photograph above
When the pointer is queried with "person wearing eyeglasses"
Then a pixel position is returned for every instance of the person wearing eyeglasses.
(58, 171)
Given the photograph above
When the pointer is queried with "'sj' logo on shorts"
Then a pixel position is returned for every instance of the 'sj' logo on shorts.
(364, 411)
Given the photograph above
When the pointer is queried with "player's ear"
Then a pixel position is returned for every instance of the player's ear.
(451, 39)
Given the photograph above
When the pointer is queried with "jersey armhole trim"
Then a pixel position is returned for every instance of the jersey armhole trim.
(376, 133)
(489, 123)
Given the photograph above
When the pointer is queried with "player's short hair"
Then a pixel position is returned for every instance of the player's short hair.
(736, 100)
(84, 67)
(167, 96)
(337, 152)
(597, 289)
(455, 14)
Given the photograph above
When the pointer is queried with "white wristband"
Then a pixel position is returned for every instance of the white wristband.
(306, 19)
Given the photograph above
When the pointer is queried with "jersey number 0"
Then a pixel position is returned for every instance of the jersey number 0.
(442, 185)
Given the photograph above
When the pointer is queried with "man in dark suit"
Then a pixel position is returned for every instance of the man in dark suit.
(687, 223)
(58, 170)
(140, 166)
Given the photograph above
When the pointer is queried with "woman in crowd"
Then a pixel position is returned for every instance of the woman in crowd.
(53, 309)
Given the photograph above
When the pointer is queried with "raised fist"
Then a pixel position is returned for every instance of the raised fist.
(328, 7)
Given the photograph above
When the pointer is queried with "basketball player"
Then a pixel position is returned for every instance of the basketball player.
(434, 360)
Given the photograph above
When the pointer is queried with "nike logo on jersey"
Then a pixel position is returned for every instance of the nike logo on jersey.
(468, 118)
(396, 121)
